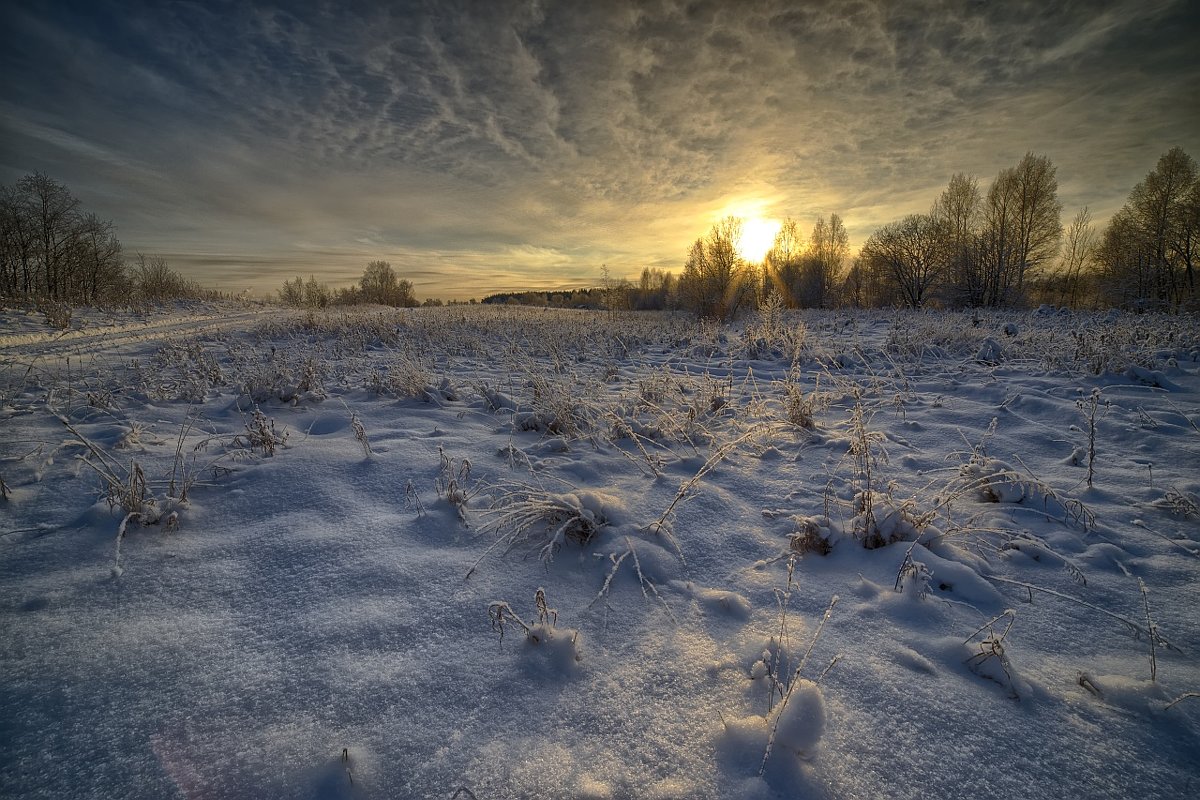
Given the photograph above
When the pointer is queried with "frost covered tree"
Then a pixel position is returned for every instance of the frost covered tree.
(154, 281)
(655, 289)
(782, 264)
(305, 294)
(822, 262)
(1075, 260)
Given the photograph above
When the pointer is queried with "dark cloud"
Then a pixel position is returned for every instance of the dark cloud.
(534, 142)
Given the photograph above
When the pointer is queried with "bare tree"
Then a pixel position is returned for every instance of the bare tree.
(50, 248)
(910, 255)
(54, 213)
(1075, 261)
(783, 263)
(98, 271)
(1164, 209)
(19, 272)
(379, 284)
(155, 281)
(716, 282)
(654, 290)
(960, 210)
(822, 262)
(1022, 228)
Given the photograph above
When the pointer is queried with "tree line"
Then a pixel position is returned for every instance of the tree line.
(51, 249)
(1000, 246)
(1005, 246)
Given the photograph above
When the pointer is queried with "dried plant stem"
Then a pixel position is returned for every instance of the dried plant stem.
(718, 455)
(1181, 698)
(1132, 626)
(1150, 626)
(795, 679)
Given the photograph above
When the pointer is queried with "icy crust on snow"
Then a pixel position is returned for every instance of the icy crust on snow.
(655, 516)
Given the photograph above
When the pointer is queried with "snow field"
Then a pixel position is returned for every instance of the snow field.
(668, 507)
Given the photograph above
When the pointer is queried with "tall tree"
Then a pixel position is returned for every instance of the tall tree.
(1164, 210)
(379, 284)
(783, 263)
(1022, 227)
(716, 282)
(50, 248)
(827, 250)
(1075, 260)
(1147, 254)
(55, 221)
(960, 210)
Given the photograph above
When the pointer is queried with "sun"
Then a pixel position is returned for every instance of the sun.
(758, 235)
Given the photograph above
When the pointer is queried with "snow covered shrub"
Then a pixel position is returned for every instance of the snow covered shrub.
(991, 661)
(813, 535)
(654, 389)
(58, 314)
(562, 648)
(798, 408)
(180, 371)
(913, 576)
(528, 514)
(405, 377)
(260, 434)
(452, 483)
(769, 336)
(557, 407)
(990, 352)
(312, 379)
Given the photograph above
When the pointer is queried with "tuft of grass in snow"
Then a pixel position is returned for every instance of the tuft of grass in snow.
(799, 728)
(799, 408)
(992, 655)
(1180, 503)
(260, 434)
(360, 433)
(527, 514)
(453, 483)
(540, 631)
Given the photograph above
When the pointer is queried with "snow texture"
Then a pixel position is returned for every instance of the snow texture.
(505, 553)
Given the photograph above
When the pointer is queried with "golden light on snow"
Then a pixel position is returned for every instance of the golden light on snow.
(758, 235)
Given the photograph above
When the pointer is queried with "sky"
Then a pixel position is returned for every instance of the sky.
(491, 146)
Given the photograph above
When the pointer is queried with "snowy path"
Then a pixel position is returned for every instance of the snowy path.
(99, 335)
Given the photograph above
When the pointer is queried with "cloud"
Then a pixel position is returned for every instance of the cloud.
(529, 141)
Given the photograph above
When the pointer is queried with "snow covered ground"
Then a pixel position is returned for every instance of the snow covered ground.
(500, 553)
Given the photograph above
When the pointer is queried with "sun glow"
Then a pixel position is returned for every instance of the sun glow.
(758, 235)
